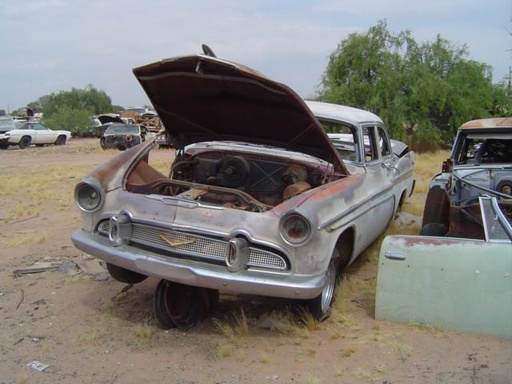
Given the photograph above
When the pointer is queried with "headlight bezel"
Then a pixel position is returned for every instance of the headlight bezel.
(296, 229)
(88, 190)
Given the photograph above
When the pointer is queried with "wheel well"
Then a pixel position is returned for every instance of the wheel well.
(345, 246)
(402, 198)
(437, 207)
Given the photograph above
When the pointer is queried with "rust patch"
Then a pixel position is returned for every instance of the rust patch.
(488, 123)
(412, 241)
(106, 172)
(344, 187)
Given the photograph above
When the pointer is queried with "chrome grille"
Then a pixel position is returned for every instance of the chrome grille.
(192, 245)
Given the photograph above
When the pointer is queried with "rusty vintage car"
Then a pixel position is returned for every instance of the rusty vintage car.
(480, 164)
(258, 200)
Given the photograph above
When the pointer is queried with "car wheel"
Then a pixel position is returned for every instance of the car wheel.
(4, 146)
(180, 305)
(434, 229)
(160, 306)
(320, 306)
(505, 186)
(61, 140)
(103, 143)
(25, 142)
(437, 206)
(124, 275)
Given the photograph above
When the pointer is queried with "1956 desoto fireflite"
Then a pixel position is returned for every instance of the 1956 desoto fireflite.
(259, 198)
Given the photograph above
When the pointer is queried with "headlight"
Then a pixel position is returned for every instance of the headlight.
(88, 197)
(295, 229)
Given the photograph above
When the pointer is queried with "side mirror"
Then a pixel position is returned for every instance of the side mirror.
(447, 166)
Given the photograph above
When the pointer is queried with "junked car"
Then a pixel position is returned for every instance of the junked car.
(33, 133)
(102, 122)
(123, 136)
(163, 139)
(480, 163)
(258, 200)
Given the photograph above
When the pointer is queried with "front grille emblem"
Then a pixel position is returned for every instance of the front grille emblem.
(174, 242)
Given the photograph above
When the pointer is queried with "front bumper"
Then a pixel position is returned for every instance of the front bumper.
(256, 282)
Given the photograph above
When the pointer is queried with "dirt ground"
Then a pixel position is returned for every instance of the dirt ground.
(85, 327)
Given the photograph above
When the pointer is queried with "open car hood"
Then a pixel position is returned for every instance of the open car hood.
(109, 118)
(203, 98)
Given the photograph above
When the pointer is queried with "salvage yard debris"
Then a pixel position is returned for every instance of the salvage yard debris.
(38, 366)
(71, 266)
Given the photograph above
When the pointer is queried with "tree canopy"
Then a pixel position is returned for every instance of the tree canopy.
(424, 92)
(88, 98)
(73, 110)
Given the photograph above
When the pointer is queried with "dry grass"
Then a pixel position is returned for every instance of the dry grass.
(91, 336)
(427, 165)
(437, 332)
(143, 330)
(236, 331)
(24, 239)
(225, 350)
(30, 193)
(163, 166)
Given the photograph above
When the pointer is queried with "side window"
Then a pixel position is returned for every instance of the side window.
(38, 127)
(468, 152)
(371, 151)
(344, 139)
(384, 143)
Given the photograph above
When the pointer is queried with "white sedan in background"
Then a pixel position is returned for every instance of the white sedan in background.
(33, 133)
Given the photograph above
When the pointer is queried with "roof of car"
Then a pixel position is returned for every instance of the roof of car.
(341, 112)
(495, 122)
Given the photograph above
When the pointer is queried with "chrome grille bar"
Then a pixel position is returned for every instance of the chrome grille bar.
(193, 245)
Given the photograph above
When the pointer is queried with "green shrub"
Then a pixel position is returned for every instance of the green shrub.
(426, 137)
(78, 121)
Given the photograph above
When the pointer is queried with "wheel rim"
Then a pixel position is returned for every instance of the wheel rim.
(24, 142)
(330, 285)
(185, 305)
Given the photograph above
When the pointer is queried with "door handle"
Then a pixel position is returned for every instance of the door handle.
(394, 255)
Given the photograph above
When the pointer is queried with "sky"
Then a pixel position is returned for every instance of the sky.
(48, 46)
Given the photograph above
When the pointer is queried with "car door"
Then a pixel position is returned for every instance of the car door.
(462, 285)
(361, 152)
(42, 135)
(377, 162)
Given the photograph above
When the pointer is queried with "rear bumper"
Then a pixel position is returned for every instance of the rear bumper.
(252, 281)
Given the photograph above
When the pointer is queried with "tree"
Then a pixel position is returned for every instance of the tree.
(416, 88)
(88, 98)
(78, 121)
(73, 110)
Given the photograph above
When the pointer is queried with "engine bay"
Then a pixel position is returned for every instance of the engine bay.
(249, 181)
